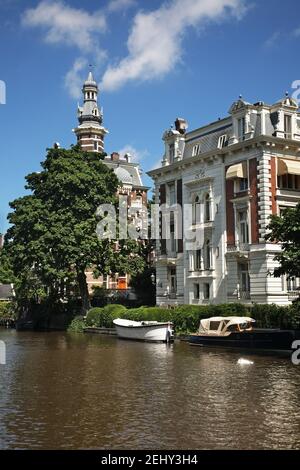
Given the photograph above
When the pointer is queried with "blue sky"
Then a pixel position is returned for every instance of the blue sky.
(154, 61)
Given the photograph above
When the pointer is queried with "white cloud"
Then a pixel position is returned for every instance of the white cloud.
(67, 25)
(70, 26)
(137, 155)
(272, 40)
(73, 79)
(118, 5)
(296, 32)
(155, 41)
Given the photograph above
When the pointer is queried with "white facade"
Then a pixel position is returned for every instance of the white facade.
(239, 171)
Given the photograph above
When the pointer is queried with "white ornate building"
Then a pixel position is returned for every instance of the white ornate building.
(239, 170)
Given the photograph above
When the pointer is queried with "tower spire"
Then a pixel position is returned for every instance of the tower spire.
(90, 132)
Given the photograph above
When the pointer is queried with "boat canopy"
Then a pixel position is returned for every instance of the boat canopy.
(134, 324)
(221, 325)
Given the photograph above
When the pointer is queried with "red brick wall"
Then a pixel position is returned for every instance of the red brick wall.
(254, 200)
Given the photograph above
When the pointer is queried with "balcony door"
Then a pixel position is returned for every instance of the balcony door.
(244, 281)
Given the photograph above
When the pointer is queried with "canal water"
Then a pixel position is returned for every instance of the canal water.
(61, 391)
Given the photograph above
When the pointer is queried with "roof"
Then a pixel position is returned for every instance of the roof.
(90, 80)
(231, 319)
(123, 175)
(6, 291)
(128, 173)
(205, 323)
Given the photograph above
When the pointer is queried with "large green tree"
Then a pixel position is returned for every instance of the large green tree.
(6, 272)
(52, 241)
(285, 229)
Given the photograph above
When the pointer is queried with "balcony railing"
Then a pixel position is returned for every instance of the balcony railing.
(293, 294)
(240, 295)
(244, 295)
(244, 247)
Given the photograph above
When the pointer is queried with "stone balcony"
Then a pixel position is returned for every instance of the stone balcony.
(240, 250)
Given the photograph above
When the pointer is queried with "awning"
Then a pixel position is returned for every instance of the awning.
(237, 171)
(291, 167)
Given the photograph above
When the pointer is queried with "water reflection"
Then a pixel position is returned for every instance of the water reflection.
(66, 391)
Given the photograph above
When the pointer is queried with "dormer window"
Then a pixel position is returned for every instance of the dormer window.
(172, 153)
(288, 126)
(196, 150)
(241, 128)
(222, 141)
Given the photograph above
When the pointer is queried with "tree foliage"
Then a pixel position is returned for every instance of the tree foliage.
(142, 281)
(52, 240)
(6, 271)
(286, 231)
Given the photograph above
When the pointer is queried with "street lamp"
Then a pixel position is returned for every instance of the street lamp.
(153, 278)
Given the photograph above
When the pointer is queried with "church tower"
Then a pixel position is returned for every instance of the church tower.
(90, 132)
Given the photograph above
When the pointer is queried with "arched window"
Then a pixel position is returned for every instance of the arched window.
(196, 210)
(207, 255)
(207, 208)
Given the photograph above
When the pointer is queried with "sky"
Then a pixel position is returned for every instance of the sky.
(154, 61)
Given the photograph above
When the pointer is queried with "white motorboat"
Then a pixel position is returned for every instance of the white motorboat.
(144, 330)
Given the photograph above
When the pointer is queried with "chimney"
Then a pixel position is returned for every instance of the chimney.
(127, 157)
(115, 157)
(181, 125)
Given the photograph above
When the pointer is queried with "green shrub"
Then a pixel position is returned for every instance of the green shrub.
(103, 317)
(93, 316)
(294, 316)
(276, 316)
(7, 310)
(186, 318)
(77, 325)
(114, 309)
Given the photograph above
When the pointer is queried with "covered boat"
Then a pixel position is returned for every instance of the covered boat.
(238, 332)
(144, 330)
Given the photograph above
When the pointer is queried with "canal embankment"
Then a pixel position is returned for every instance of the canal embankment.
(186, 318)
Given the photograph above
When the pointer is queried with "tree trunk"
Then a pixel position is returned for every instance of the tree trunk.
(84, 292)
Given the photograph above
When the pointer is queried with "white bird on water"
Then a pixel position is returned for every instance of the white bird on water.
(244, 362)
